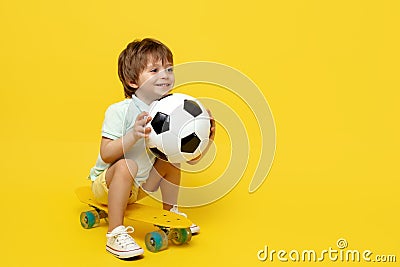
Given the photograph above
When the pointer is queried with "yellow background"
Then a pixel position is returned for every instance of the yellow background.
(329, 70)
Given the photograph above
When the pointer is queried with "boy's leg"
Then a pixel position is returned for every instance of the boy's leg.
(119, 178)
(168, 178)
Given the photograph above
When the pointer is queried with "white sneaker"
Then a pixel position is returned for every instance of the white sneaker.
(121, 244)
(195, 229)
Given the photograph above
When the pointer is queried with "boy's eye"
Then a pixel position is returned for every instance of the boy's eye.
(153, 70)
(170, 69)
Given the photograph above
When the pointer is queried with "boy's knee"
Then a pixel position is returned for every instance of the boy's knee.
(149, 189)
(126, 168)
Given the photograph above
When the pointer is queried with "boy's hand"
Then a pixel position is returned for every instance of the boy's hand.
(212, 126)
(139, 128)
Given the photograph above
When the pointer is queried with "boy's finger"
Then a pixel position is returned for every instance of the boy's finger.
(142, 115)
(212, 122)
(147, 131)
(143, 121)
(211, 118)
(212, 133)
(146, 120)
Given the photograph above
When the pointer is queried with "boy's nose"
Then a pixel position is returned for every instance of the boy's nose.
(164, 74)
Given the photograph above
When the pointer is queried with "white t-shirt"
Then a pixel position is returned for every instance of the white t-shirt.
(119, 119)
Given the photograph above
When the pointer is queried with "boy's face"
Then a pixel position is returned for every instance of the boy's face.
(154, 81)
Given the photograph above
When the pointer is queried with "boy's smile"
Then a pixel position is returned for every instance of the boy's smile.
(154, 81)
(163, 84)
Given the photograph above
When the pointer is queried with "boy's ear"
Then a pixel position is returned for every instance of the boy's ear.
(133, 85)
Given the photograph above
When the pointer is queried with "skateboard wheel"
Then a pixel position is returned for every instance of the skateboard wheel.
(90, 219)
(156, 241)
(180, 236)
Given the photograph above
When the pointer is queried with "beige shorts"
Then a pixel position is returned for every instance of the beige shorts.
(100, 190)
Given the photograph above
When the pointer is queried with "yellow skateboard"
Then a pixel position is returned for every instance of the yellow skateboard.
(171, 226)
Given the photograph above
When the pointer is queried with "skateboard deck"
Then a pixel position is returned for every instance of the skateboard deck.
(172, 226)
(138, 212)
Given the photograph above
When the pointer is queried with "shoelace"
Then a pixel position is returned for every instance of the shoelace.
(123, 237)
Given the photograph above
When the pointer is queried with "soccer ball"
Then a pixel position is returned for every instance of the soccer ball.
(180, 128)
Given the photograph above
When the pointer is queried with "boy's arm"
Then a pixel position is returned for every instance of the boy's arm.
(112, 150)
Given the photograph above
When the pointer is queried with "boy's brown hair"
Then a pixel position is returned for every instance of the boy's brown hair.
(135, 57)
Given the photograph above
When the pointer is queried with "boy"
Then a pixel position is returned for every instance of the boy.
(125, 170)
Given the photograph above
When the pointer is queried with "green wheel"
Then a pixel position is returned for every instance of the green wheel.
(156, 241)
(180, 236)
(90, 219)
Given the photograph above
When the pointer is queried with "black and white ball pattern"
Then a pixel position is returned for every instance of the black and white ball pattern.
(180, 128)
